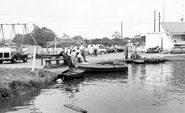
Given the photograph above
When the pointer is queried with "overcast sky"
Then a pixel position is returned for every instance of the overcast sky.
(90, 18)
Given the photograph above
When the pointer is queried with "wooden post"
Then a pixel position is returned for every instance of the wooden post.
(34, 55)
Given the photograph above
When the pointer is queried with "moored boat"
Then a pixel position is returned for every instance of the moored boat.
(145, 60)
(104, 67)
(139, 61)
(71, 74)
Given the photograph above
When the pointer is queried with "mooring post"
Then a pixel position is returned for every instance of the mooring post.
(34, 55)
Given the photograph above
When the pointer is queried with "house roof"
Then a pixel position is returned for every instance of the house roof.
(175, 28)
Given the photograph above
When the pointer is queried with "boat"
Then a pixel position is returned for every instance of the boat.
(151, 60)
(145, 60)
(71, 74)
(139, 61)
(105, 67)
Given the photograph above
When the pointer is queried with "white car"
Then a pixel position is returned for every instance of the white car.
(100, 48)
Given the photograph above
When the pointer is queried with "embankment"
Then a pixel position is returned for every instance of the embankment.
(17, 81)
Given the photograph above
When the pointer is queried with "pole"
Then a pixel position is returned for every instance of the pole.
(163, 12)
(121, 33)
(159, 21)
(3, 32)
(154, 19)
(182, 19)
(34, 55)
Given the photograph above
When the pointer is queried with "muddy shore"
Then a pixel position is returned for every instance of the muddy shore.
(17, 79)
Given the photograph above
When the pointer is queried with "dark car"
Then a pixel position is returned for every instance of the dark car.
(12, 54)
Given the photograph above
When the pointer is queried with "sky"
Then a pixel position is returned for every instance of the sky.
(90, 18)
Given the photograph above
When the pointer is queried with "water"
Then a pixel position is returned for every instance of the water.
(151, 88)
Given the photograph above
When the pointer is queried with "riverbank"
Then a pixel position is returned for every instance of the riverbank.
(16, 79)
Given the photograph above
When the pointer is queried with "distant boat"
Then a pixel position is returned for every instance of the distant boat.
(145, 60)
(71, 74)
(105, 67)
(139, 61)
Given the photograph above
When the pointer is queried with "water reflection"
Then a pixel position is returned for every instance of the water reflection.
(73, 87)
(147, 87)
(25, 101)
(166, 81)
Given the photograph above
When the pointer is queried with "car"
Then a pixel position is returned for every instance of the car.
(110, 49)
(12, 54)
(101, 49)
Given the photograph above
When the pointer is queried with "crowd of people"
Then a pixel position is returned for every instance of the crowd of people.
(74, 55)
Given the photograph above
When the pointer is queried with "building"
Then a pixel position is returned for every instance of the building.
(172, 35)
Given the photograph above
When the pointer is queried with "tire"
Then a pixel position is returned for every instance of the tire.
(1, 61)
(102, 52)
(13, 60)
(25, 59)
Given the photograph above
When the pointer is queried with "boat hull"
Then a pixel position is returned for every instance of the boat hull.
(102, 68)
(145, 60)
(71, 74)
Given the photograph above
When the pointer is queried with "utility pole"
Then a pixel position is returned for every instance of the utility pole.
(182, 19)
(163, 12)
(159, 21)
(154, 20)
(121, 33)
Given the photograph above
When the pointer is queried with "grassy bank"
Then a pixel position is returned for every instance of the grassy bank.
(17, 81)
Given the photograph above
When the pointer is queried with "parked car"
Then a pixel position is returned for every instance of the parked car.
(111, 49)
(12, 54)
(101, 49)
(120, 48)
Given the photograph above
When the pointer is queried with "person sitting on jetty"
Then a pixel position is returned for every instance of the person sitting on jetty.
(79, 56)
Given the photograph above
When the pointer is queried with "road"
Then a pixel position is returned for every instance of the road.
(100, 57)
(28, 64)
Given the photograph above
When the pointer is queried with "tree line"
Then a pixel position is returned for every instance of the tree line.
(44, 35)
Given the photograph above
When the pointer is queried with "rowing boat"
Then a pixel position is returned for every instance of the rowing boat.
(103, 67)
(71, 74)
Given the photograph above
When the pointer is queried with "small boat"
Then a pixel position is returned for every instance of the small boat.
(129, 61)
(145, 60)
(71, 74)
(151, 60)
(104, 67)
(139, 61)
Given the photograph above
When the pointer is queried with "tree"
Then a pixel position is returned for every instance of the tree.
(106, 41)
(17, 39)
(41, 35)
(77, 38)
(116, 35)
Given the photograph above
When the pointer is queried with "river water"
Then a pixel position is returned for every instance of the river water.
(145, 88)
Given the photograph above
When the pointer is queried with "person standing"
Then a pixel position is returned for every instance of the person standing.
(126, 51)
(95, 50)
(67, 56)
(82, 49)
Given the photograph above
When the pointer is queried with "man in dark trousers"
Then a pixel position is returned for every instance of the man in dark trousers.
(126, 51)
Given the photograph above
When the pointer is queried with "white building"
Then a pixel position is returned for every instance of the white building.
(172, 34)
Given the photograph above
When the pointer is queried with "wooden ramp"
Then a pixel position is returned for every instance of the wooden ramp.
(75, 108)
